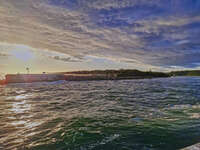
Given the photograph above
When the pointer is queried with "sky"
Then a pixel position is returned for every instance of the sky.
(66, 35)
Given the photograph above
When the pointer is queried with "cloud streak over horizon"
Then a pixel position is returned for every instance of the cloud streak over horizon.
(156, 34)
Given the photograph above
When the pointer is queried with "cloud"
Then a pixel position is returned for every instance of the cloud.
(65, 59)
(146, 33)
(3, 55)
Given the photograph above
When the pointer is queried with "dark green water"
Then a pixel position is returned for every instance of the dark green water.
(150, 114)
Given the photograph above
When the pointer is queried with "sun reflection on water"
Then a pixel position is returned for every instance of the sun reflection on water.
(20, 107)
(20, 119)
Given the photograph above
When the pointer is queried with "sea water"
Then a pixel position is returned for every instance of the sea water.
(148, 114)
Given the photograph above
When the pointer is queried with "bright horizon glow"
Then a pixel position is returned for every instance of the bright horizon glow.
(22, 53)
(19, 57)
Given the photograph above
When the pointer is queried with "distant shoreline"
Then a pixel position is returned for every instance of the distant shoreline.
(81, 76)
(123, 74)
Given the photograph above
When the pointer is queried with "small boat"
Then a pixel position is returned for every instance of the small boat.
(2, 82)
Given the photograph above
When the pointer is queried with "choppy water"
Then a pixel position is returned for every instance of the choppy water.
(101, 115)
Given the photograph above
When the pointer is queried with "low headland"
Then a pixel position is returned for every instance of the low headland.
(185, 73)
(121, 74)
(113, 74)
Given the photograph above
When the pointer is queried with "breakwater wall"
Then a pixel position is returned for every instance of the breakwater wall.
(28, 78)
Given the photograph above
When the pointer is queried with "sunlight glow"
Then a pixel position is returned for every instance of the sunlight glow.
(22, 53)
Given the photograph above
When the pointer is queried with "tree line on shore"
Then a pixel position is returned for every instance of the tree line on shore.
(123, 73)
(134, 72)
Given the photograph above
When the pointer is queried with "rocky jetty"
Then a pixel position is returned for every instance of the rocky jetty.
(28, 78)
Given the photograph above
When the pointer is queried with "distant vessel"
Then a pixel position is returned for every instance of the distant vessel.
(28, 78)
(2, 82)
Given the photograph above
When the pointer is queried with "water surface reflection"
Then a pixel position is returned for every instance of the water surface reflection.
(130, 114)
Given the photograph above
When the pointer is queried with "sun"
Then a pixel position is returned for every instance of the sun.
(22, 53)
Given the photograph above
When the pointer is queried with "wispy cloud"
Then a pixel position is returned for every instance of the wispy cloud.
(65, 59)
